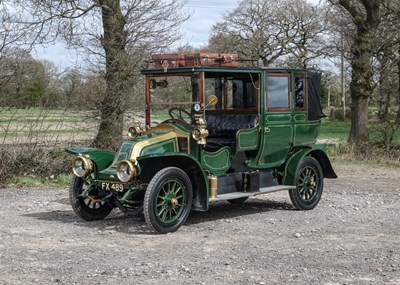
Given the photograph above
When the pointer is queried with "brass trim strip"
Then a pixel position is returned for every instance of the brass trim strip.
(141, 145)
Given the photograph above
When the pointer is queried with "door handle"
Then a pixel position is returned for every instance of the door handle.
(267, 130)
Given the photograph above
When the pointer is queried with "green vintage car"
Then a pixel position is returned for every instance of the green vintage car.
(212, 131)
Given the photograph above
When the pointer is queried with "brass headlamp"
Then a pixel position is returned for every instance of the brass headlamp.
(82, 166)
(135, 130)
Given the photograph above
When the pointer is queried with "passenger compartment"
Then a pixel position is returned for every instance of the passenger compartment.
(222, 128)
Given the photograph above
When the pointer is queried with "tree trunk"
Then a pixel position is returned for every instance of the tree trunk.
(366, 22)
(112, 105)
(360, 87)
(398, 90)
(359, 120)
(384, 93)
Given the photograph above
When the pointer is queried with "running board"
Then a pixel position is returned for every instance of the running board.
(265, 190)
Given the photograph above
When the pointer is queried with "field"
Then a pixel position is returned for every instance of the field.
(57, 128)
(42, 127)
(339, 130)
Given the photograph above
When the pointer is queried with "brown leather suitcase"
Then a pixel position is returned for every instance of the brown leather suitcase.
(167, 61)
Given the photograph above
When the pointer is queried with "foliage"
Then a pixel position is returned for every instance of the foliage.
(370, 37)
(47, 165)
(368, 152)
(338, 130)
(115, 36)
(274, 32)
(60, 180)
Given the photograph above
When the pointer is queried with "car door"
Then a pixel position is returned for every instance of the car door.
(277, 130)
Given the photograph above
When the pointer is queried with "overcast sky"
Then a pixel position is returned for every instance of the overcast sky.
(196, 30)
(205, 14)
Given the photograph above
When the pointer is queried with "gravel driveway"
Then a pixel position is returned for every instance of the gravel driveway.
(352, 237)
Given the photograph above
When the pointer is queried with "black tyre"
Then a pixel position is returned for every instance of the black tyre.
(168, 200)
(90, 208)
(309, 184)
(238, 200)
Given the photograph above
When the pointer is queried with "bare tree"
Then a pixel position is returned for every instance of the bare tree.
(271, 30)
(365, 17)
(24, 80)
(387, 59)
(115, 35)
(388, 72)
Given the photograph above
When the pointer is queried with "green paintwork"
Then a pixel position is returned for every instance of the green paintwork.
(110, 173)
(305, 133)
(282, 138)
(170, 201)
(300, 117)
(177, 157)
(216, 162)
(102, 158)
(276, 140)
(247, 139)
(161, 147)
(293, 163)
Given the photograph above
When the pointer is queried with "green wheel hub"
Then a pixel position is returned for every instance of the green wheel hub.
(308, 183)
(170, 201)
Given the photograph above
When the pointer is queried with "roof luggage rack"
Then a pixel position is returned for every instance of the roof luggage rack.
(174, 60)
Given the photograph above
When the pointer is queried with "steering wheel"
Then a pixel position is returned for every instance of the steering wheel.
(179, 113)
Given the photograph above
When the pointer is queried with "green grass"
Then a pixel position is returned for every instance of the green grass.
(36, 181)
(38, 111)
(47, 119)
(47, 132)
(340, 130)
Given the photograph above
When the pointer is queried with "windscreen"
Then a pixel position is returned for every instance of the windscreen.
(177, 93)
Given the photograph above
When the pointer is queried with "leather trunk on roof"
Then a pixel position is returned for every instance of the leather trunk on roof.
(195, 59)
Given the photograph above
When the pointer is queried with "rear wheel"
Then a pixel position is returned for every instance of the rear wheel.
(90, 207)
(168, 200)
(309, 185)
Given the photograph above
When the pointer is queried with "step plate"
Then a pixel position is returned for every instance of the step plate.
(265, 190)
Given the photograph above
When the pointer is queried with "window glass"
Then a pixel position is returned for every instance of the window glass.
(277, 92)
(172, 92)
(299, 92)
(214, 86)
(233, 93)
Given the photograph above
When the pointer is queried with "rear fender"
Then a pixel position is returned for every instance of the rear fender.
(101, 157)
(293, 163)
(150, 165)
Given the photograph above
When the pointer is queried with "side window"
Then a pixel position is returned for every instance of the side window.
(235, 93)
(214, 86)
(278, 92)
(299, 92)
(243, 95)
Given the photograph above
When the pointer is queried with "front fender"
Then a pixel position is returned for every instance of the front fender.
(293, 163)
(151, 164)
(101, 157)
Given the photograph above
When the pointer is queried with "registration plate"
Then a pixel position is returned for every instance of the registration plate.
(108, 186)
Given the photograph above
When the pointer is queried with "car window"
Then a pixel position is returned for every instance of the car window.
(238, 93)
(299, 91)
(172, 92)
(278, 91)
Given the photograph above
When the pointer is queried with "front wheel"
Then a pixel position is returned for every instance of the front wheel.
(89, 207)
(168, 200)
(309, 182)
